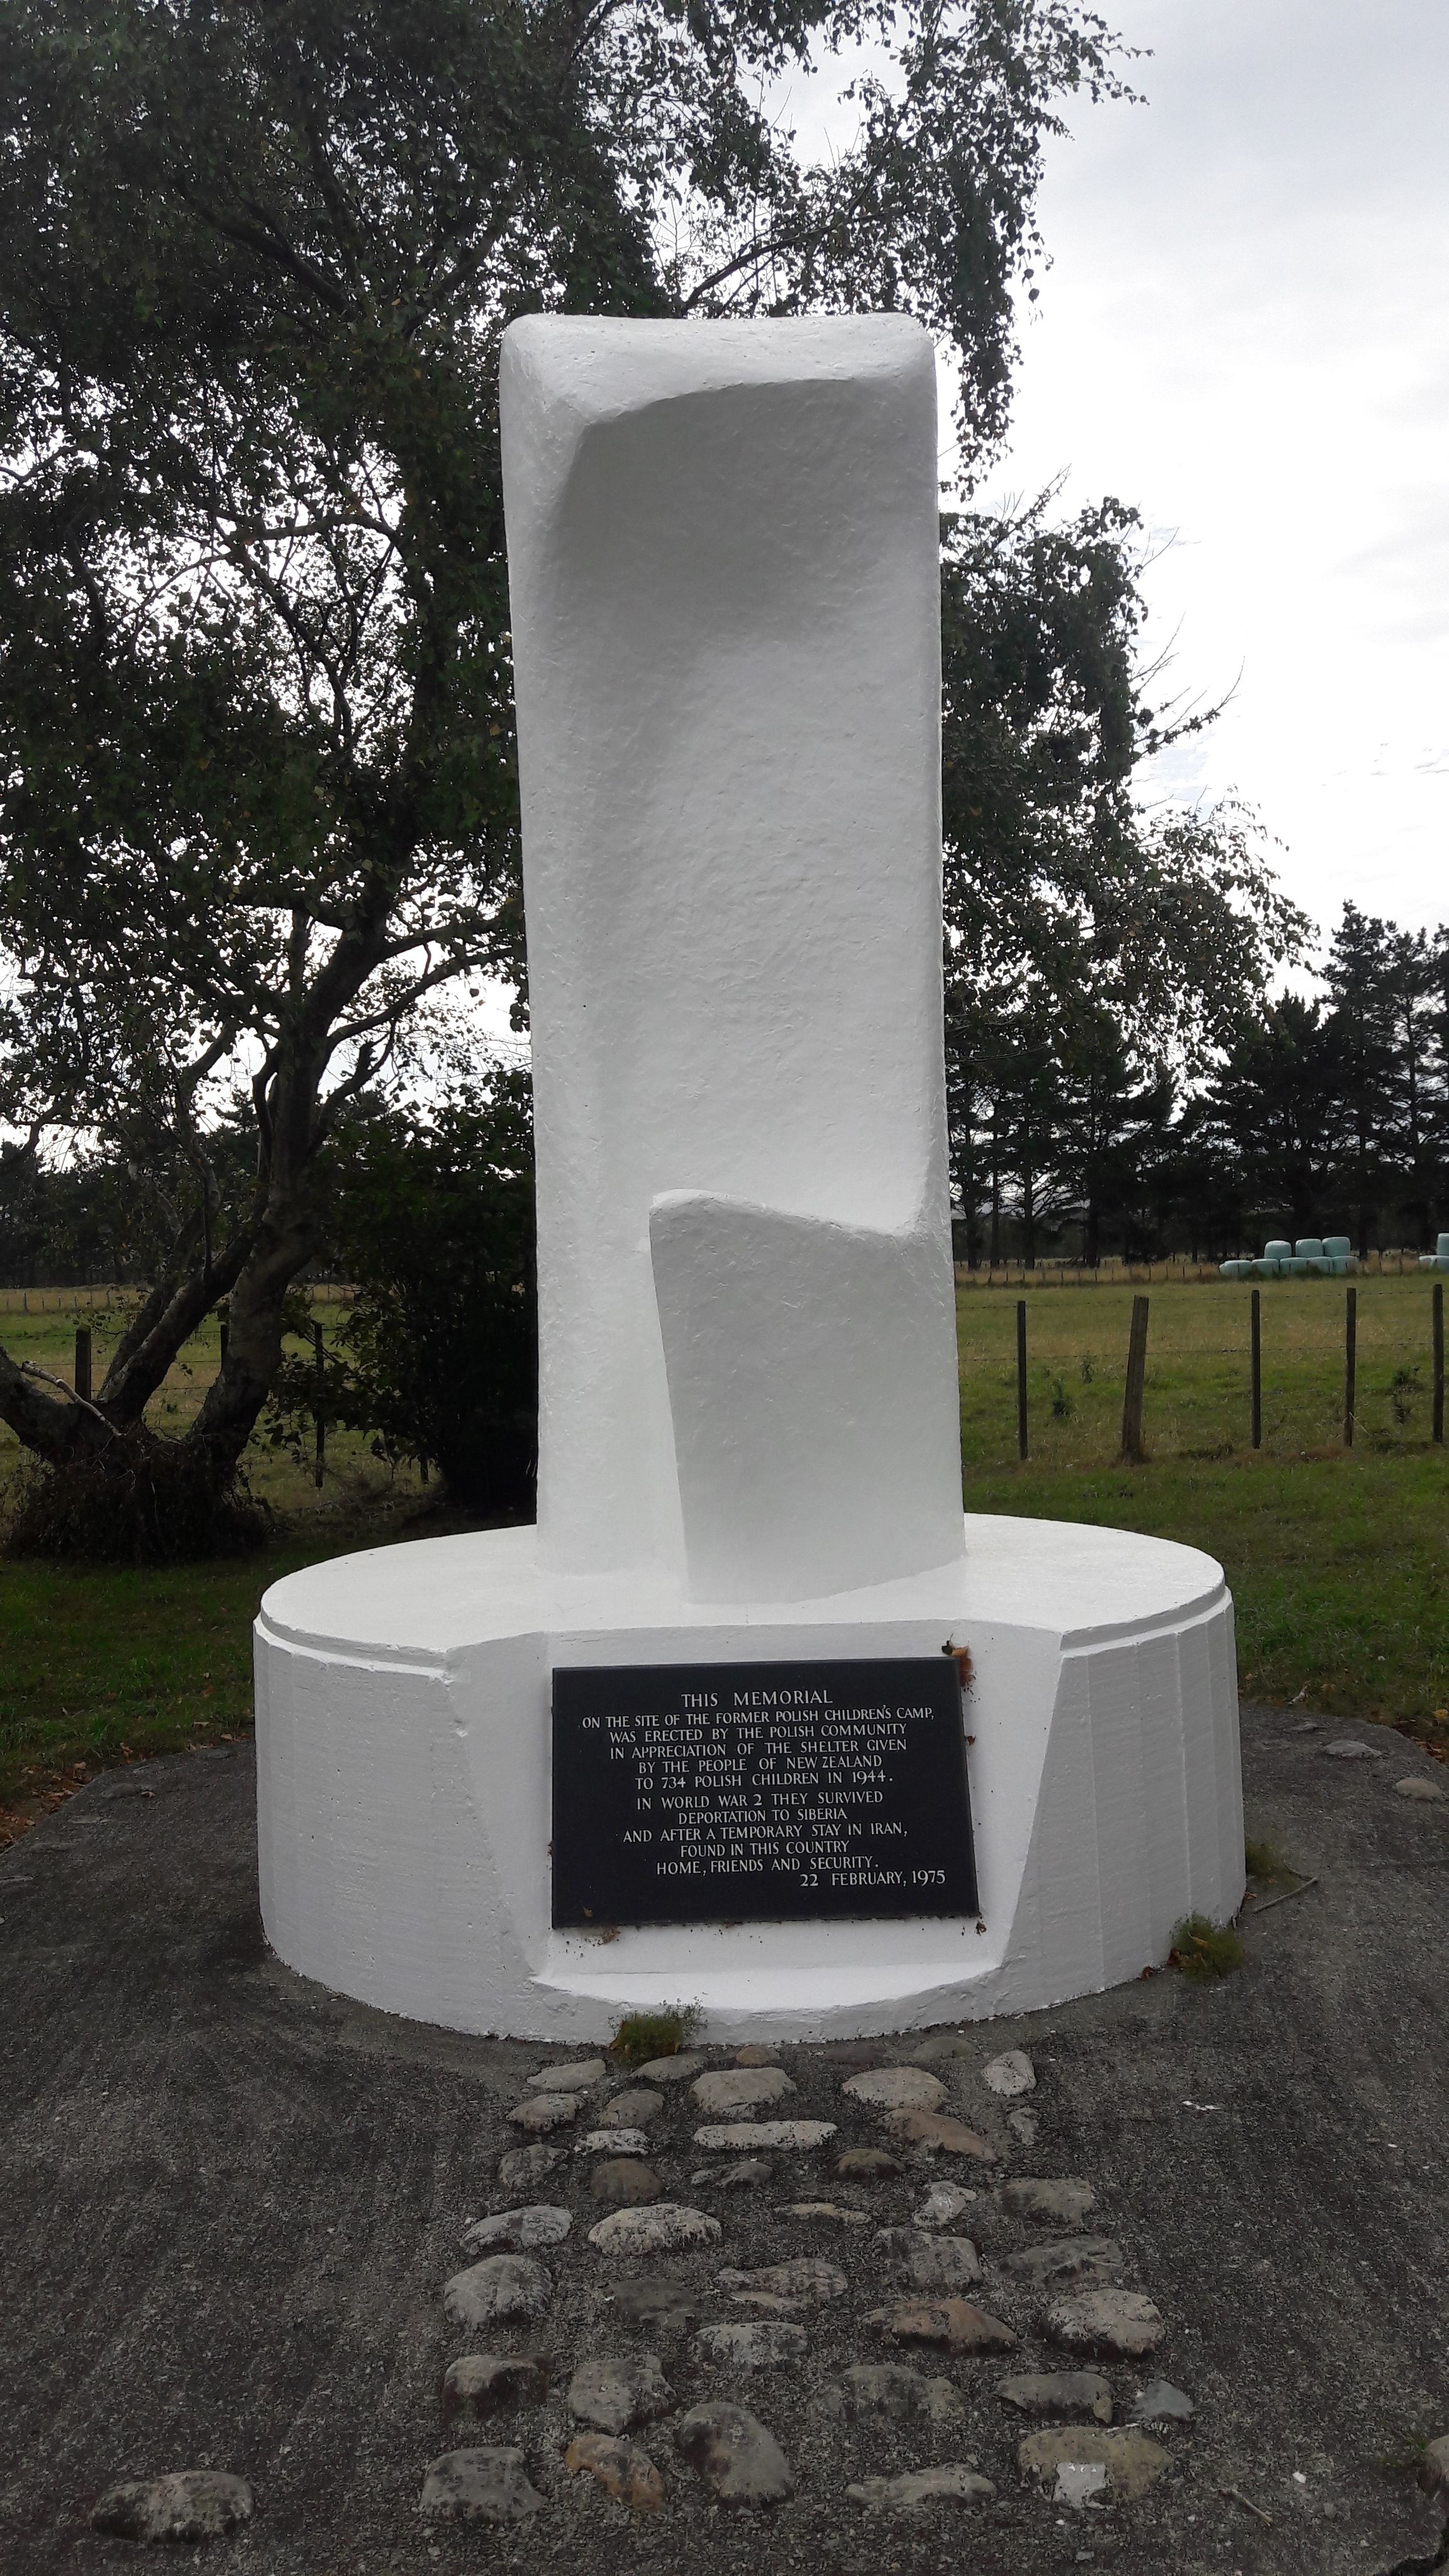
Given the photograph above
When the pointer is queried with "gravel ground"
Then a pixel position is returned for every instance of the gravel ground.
(229, 2203)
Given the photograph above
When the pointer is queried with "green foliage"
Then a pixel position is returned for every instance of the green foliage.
(1204, 1950)
(258, 791)
(1091, 943)
(438, 1358)
(643, 2036)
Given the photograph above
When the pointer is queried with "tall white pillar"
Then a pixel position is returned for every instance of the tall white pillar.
(723, 546)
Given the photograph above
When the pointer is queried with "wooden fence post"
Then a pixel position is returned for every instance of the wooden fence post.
(1439, 1362)
(1021, 1422)
(83, 1361)
(1257, 1368)
(1350, 1365)
(320, 1468)
(1132, 1450)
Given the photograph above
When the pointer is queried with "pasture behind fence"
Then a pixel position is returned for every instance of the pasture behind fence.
(1339, 1385)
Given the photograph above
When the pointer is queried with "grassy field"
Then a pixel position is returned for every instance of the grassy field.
(1339, 1562)
(45, 1335)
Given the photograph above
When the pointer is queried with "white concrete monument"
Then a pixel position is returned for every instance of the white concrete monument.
(723, 559)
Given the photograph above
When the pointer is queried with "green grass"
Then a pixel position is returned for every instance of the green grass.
(1338, 1560)
(98, 1664)
(1197, 1401)
(1339, 1563)
(354, 1479)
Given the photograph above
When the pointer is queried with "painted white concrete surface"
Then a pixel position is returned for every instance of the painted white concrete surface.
(723, 554)
(404, 1781)
(723, 565)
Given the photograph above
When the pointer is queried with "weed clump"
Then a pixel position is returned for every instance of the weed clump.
(642, 2036)
(1265, 1862)
(1204, 1950)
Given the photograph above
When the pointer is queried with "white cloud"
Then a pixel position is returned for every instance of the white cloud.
(1244, 333)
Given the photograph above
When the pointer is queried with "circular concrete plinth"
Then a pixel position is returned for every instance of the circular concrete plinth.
(404, 1792)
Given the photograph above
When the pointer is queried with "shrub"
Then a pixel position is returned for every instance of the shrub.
(432, 1219)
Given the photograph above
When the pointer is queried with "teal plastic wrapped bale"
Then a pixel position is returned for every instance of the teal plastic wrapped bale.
(1338, 1247)
(1236, 1269)
(1276, 1251)
(1267, 1269)
(1438, 1259)
(1311, 1248)
(1293, 1268)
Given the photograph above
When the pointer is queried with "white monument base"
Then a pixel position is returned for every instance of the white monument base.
(403, 1755)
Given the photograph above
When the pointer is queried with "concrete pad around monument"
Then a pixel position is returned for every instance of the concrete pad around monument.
(403, 1747)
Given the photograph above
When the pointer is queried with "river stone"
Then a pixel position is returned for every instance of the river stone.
(891, 2392)
(867, 2164)
(828, 2212)
(484, 2383)
(1079, 2483)
(619, 2392)
(612, 2142)
(623, 2182)
(1093, 2260)
(185, 2504)
(740, 2088)
(1349, 1749)
(756, 2053)
(745, 2137)
(1023, 2125)
(943, 2202)
(1132, 2462)
(1011, 2073)
(931, 2262)
(952, 2325)
(518, 2231)
(1433, 2471)
(1417, 1786)
(622, 2469)
(545, 2111)
(522, 2169)
(574, 2078)
(940, 2131)
(807, 2282)
(632, 2109)
(747, 2174)
(945, 2044)
(1160, 2403)
(735, 2455)
(896, 2088)
(1113, 2325)
(478, 2486)
(1051, 2204)
(954, 2482)
(763, 2343)
(504, 2289)
(671, 2070)
(1057, 2396)
(652, 2299)
(654, 2231)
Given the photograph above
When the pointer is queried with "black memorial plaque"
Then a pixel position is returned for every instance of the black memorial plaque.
(706, 1793)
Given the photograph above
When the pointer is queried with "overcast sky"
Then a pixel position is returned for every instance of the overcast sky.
(1245, 333)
